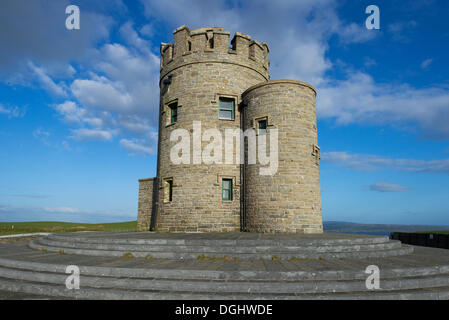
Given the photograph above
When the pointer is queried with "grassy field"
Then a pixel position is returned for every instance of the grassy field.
(435, 232)
(51, 226)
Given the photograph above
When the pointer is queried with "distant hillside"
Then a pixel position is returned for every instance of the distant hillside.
(336, 226)
(7, 228)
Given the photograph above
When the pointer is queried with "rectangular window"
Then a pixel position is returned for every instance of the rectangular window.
(226, 108)
(226, 190)
(173, 112)
(262, 126)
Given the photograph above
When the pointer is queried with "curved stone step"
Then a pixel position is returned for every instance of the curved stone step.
(220, 249)
(234, 275)
(221, 242)
(115, 294)
(192, 255)
(231, 287)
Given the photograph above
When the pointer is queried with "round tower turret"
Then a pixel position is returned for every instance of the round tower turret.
(287, 200)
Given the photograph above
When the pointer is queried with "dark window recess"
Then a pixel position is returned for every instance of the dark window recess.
(262, 126)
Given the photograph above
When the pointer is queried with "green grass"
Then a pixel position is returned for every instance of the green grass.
(52, 226)
(435, 232)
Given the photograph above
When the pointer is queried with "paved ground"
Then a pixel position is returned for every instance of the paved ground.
(14, 240)
(422, 257)
(17, 249)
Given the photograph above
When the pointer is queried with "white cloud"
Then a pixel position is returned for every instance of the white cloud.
(119, 93)
(118, 96)
(92, 134)
(298, 35)
(42, 135)
(73, 114)
(65, 146)
(387, 187)
(12, 112)
(137, 147)
(400, 30)
(298, 31)
(4, 110)
(369, 62)
(147, 30)
(46, 82)
(101, 93)
(359, 99)
(34, 31)
(63, 213)
(62, 210)
(39, 132)
(426, 63)
(356, 33)
(135, 124)
(70, 111)
(369, 162)
(25, 195)
(307, 62)
(142, 146)
(132, 38)
(125, 81)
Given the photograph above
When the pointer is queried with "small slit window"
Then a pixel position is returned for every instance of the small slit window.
(168, 194)
(226, 189)
(262, 126)
(173, 112)
(226, 108)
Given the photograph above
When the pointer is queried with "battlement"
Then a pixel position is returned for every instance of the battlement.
(213, 43)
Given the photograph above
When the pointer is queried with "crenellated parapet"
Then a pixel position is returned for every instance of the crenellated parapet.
(213, 45)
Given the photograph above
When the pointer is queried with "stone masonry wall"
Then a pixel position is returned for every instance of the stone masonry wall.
(290, 200)
(145, 204)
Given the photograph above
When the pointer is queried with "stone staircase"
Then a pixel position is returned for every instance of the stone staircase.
(340, 248)
(224, 267)
(159, 284)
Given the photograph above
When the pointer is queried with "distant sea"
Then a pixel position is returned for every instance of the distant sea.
(370, 233)
(376, 229)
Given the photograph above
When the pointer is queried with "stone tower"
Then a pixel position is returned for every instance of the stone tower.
(206, 83)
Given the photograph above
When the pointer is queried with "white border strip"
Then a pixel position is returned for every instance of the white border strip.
(25, 235)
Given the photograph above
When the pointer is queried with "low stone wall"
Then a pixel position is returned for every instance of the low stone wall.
(434, 240)
(145, 205)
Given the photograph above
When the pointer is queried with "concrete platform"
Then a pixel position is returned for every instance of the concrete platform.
(27, 273)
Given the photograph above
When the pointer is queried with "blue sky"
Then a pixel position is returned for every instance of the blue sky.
(78, 109)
